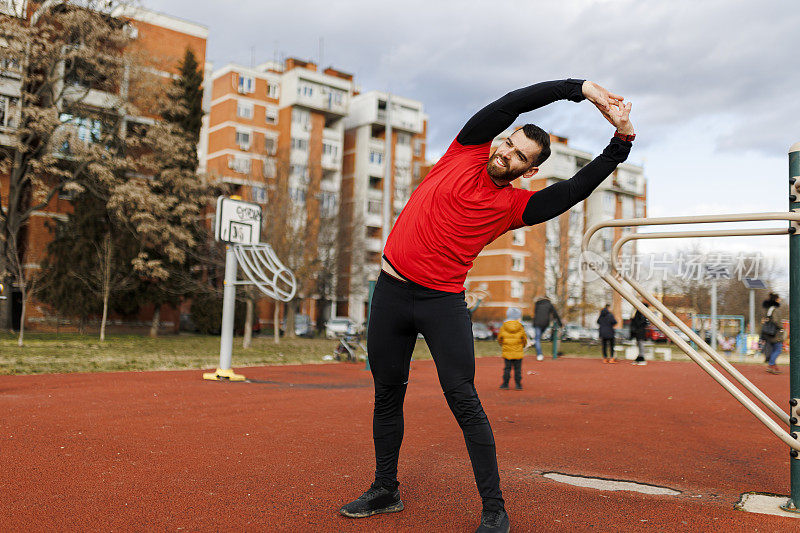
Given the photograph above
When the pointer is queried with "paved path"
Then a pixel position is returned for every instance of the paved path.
(169, 451)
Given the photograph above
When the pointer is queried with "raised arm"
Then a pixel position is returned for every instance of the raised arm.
(493, 119)
(559, 197)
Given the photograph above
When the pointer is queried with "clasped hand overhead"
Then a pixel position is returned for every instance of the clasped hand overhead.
(611, 105)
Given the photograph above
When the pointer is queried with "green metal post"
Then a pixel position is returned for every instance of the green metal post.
(369, 308)
(794, 326)
(554, 336)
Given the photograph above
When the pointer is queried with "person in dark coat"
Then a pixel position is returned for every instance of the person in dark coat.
(772, 333)
(639, 333)
(606, 321)
(543, 310)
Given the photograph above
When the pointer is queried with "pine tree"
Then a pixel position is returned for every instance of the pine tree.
(165, 211)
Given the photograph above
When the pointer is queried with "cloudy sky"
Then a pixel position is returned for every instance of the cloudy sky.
(715, 84)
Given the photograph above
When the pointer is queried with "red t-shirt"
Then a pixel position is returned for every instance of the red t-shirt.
(455, 212)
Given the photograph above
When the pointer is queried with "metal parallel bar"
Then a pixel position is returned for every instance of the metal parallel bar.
(705, 365)
(701, 219)
(715, 356)
(715, 374)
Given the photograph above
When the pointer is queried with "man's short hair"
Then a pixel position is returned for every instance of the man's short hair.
(540, 137)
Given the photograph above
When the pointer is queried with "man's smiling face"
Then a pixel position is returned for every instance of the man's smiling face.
(513, 158)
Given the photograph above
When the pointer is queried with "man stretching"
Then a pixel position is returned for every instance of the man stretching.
(464, 203)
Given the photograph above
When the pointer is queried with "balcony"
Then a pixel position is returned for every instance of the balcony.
(323, 102)
(372, 220)
(331, 162)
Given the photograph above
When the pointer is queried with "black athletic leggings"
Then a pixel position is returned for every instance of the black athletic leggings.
(399, 311)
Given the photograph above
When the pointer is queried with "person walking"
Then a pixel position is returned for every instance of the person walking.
(772, 333)
(606, 321)
(639, 325)
(465, 202)
(543, 310)
(513, 340)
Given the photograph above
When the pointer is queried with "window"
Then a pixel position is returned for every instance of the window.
(374, 207)
(375, 183)
(403, 139)
(418, 147)
(272, 114)
(610, 203)
(330, 150)
(518, 237)
(305, 89)
(8, 111)
(627, 207)
(270, 145)
(244, 109)
(375, 157)
(300, 171)
(516, 289)
(327, 204)
(517, 263)
(639, 209)
(86, 129)
(299, 144)
(246, 84)
(273, 90)
(243, 139)
(269, 167)
(239, 164)
(259, 195)
(301, 117)
(297, 195)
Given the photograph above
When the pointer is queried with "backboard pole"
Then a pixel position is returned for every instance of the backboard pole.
(228, 309)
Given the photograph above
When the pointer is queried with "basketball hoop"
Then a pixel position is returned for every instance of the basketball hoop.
(264, 270)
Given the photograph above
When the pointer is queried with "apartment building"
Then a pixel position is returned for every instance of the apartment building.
(161, 40)
(361, 229)
(275, 122)
(544, 260)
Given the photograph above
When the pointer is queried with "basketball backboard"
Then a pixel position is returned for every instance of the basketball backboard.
(237, 221)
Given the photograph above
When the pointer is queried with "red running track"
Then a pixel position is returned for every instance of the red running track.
(168, 451)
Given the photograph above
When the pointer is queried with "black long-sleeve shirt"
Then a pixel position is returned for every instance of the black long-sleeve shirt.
(551, 201)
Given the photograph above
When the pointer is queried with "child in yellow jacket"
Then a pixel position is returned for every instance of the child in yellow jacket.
(513, 340)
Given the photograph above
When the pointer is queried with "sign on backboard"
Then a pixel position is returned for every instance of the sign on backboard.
(237, 222)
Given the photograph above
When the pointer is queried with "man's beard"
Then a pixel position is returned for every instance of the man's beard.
(501, 173)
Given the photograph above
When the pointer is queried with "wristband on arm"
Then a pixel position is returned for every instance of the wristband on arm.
(624, 137)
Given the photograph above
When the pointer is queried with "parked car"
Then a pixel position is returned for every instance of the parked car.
(654, 334)
(527, 325)
(572, 332)
(680, 334)
(576, 332)
(481, 331)
(338, 326)
(494, 327)
(303, 326)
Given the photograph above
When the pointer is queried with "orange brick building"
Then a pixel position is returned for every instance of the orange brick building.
(158, 38)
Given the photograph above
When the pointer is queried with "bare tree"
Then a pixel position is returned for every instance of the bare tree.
(70, 115)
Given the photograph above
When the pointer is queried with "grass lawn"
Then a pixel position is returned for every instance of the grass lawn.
(46, 353)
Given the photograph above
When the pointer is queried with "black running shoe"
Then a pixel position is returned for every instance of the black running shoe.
(376, 500)
(494, 522)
